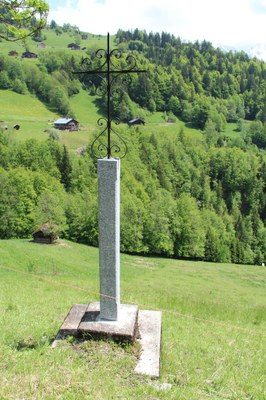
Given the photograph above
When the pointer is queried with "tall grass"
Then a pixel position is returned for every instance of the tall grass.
(213, 334)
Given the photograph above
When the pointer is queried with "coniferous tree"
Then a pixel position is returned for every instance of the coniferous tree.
(66, 169)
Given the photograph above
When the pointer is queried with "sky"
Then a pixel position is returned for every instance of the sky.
(236, 24)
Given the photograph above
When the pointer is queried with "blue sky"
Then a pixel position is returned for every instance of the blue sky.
(238, 24)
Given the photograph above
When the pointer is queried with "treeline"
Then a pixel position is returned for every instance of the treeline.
(179, 197)
(192, 81)
(196, 81)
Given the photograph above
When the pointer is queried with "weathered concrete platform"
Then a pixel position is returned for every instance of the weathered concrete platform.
(150, 328)
(133, 324)
(124, 328)
(84, 320)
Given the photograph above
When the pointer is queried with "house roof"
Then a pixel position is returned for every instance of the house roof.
(132, 121)
(45, 228)
(63, 121)
(73, 46)
(29, 54)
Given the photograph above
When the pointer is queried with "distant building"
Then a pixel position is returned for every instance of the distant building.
(29, 54)
(136, 121)
(41, 46)
(73, 46)
(44, 234)
(66, 124)
(13, 53)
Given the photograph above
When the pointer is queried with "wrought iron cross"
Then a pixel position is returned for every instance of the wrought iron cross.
(108, 73)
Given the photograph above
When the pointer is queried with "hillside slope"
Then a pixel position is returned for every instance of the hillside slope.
(213, 329)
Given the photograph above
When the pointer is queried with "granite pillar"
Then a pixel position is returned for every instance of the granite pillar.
(109, 237)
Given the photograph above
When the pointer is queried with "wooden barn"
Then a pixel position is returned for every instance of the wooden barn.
(29, 54)
(66, 124)
(41, 45)
(73, 46)
(136, 121)
(13, 53)
(44, 234)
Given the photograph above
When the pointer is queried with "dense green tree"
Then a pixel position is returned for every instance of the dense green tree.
(257, 134)
(174, 105)
(82, 217)
(4, 80)
(218, 239)
(211, 134)
(160, 231)
(17, 203)
(19, 18)
(50, 209)
(200, 113)
(66, 169)
(190, 236)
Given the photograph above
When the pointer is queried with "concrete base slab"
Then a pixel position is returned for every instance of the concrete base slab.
(71, 323)
(124, 328)
(150, 328)
(133, 324)
(84, 320)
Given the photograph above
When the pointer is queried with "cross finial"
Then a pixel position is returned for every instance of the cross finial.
(103, 147)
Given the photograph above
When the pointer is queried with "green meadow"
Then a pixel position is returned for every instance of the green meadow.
(57, 42)
(35, 118)
(213, 332)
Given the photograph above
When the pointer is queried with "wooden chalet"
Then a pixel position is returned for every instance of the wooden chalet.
(73, 46)
(44, 234)
(66, 124)
(136, 121)
(41, 45)
(13, 53)
(29, 54)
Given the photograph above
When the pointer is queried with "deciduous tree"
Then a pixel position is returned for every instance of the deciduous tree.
(22, 18)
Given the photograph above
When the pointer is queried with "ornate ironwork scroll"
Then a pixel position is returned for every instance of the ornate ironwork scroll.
(109, 143)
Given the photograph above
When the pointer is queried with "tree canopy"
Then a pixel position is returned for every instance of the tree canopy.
(22, 18)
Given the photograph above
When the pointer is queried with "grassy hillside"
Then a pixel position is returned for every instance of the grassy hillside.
(34, 117)
(27, 111)
(55, 42)
(213, 327)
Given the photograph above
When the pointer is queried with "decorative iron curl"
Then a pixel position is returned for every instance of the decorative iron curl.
(115, 53)
(87, 62)
(103, 88)
(131, 62)
(117, 146)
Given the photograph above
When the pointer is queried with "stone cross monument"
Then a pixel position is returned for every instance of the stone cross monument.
(109, 147)
(108, 317)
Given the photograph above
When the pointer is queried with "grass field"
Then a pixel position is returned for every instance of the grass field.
(34, 118)
(213, 334)
(56, 42)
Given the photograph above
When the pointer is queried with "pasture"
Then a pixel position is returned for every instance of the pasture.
(213, 334)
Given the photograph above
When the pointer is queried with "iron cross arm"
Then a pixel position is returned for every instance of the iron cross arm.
(115, 146)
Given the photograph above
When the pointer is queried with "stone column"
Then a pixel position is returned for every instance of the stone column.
(109, 237)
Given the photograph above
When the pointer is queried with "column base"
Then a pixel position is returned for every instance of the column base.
(144, 326)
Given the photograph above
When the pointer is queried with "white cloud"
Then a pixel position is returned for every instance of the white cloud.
(235, 23)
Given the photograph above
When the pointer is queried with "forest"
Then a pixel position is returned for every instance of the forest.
(181, 196)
